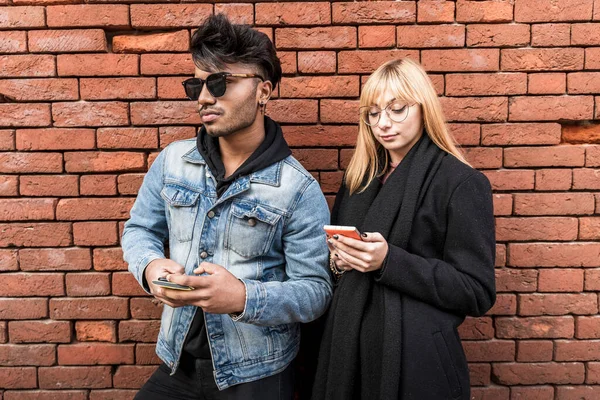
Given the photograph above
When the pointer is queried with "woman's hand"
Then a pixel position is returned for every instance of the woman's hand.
(364, 256)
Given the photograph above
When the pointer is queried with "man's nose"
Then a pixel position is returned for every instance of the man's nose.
(205, 97)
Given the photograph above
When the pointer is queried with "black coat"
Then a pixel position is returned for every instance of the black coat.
(445, 274)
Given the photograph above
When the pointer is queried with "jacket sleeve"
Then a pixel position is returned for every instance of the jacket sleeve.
(463, 282)
(146, 230)
(306, 293)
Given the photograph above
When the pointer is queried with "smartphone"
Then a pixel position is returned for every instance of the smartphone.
(163, 282)
(348, 231)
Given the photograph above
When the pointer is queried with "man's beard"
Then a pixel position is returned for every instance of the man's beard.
(244, 117)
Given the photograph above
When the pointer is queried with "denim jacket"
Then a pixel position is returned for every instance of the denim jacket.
(266, 229)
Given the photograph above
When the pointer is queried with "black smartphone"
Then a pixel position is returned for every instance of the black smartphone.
(163, 282)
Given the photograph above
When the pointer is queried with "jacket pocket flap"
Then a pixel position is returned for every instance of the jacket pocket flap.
(247, 210)
(179, 196)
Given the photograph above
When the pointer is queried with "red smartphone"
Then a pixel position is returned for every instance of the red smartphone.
(348, 231)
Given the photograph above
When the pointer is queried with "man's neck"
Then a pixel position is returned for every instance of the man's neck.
(236, 148)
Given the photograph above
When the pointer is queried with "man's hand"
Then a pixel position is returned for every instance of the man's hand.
(159, 268)
(217, 292)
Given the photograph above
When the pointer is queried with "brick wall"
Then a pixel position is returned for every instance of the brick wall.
(92, 93)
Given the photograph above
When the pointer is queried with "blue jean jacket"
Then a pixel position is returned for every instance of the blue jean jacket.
(266, 229)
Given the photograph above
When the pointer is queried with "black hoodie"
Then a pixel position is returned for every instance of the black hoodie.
(273, 149)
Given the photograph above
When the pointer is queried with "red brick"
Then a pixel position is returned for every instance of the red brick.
(516, 280)
(593, 373)
(316, 62)
(425, 36)
(486, 84)
(374, 12)
(511, 179)
(18, 378)
(88, 284)
(16, 355)
(508, 35)
(44, 331)
(109, 260)
(130, 376)
(13, 42)
(577, 392)
(7, 139)
(112, 394)
(465, 134)
(117, 88)
(542, 59)
(46, 395)
(586, 178)
(288, 64)
(551, 108)
(95, 354)
(558, 304)
(557, 156)
(21, 17)
(40, 89)
(317, 159)
(553, 179)
(585, 34)
(93, 208)
(37, 234)
(547, 83)
(592, 58)
(111, 16)
(129, 183)
(26, 66)
(24, 115)
(484, 11)
(330, 37)
(367, 61)
(167, 64)
(554, 254)
(320, 86)
(550, 35)
(96, 331)
(139, 331)
(55, 139)
(520, 134)
(330, 181)
(70, 259)
(169, 134)
(435, 11)
(583, 83)
(300, 13)
(293, 111)
(8, 260)
(479, 375)
(170, 41)
(534, 327)
(490, 109)
(104, 161)
(566, 350)
(97, 64)
(557, 10)
(74, 377)
(153, 16)
(127, 138)
(506, 304)
(554, 204)
(339, 111)
(17, 308)
(90, 114)
(560, 280)
(320, 135)
(166, 112)
(589, 228)
(26, 209)
(587, 327)
(48, 185)
(482, 157)
(237, 13)
(89, 308)
(25, 284)
(532, 393)
(171, 88)
(9, 185)
(534, 350)
(540, 228)
(596, 14)
(476, 328)
(124, 284)
(97, 185)
(500, 256)
(67, 41)
(460, 60)
(493, 350)
(145, 308)
(592, 279)
(376, 36)
(145, 354)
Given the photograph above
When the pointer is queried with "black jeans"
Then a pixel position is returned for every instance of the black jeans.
(196, 382)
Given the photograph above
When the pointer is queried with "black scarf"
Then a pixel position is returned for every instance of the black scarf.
(360, 354)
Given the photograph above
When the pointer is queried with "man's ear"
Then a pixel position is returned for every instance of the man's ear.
(265, 91)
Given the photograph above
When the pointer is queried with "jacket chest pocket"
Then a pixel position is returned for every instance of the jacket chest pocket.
(250, 229)
(182, 206)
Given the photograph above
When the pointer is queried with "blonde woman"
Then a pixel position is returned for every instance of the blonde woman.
(426, 258)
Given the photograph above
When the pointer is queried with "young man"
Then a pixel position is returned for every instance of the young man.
(244, 221)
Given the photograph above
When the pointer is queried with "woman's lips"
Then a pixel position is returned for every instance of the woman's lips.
(387, 138)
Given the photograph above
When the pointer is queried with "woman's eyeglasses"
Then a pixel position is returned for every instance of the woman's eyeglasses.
(215, 83)
(395, 111)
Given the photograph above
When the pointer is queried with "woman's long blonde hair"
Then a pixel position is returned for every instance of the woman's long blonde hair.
(408, 82)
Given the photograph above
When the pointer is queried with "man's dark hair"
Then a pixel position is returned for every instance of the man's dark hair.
(218, 42)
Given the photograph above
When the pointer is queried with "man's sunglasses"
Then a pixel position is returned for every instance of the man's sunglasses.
(215, 83)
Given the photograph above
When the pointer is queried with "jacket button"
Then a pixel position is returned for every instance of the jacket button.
(251, 222)
(211, 214)
(203, 255)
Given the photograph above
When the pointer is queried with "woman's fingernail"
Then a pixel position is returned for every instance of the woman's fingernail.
(336, 237)
(364, 235)
(329, 241)
(335, 255)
